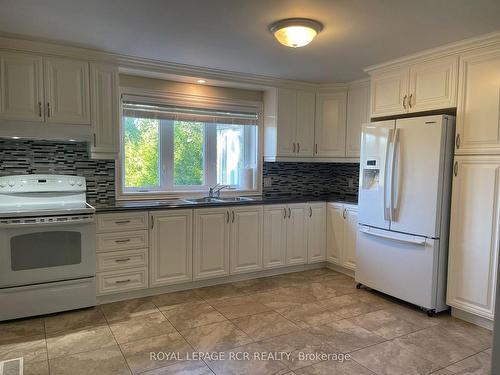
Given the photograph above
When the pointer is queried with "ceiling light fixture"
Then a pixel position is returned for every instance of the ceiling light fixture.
(295, 32)
(201, 81)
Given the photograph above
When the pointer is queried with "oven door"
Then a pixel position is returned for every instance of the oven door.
(52, 249)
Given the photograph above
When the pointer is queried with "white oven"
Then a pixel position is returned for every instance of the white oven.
(46, 249)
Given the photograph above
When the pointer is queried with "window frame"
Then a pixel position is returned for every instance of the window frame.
(188, 100)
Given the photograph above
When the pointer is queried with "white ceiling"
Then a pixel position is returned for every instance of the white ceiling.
(232, 34)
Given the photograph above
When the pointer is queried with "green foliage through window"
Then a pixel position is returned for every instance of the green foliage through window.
(188, 152)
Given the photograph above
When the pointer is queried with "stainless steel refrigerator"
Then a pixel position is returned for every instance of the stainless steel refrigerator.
(404, 204)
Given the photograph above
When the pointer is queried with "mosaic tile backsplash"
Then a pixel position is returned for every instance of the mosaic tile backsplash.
(313, 179)
(68, 158)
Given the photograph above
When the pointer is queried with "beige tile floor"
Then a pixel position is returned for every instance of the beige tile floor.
(318, 311)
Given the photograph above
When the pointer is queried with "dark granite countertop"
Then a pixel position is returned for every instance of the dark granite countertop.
(148, 205)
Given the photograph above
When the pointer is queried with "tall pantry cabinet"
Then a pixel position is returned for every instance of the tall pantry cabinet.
(475, 210)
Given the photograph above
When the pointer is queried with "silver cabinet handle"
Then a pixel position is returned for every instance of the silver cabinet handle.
(232, 216)
(289, 213)
(48, 109)
(293, 146)
(152, 222)
(298, 147)
(95, 140)
(122, 260)
(40, 109)
(404, 101)
(455, 168)
(310, 211)
(344, 213)
(123, 241)
(227, 216)
(409, 100)
(284, 213)
(119, 222)
(122, 281)
(316, 148)
(457, 141)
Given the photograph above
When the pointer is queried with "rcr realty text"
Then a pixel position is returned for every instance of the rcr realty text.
(247, 356)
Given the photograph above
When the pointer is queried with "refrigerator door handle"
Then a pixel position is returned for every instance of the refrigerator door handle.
(387, 185)
(393, 236)
(395, 176)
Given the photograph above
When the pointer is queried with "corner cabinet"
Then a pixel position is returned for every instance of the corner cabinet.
(342, 227)
(474, 235)
(478, 112)
(170, 247)
(423, 86)
(358, 113)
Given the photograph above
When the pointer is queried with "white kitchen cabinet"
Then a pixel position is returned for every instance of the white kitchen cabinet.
(350, 234)
(330, 124)
(478, 112)
(474, 235)
(246, 239)
(275, 223)
(170, 247)
(335, 232)
(105, 111)
(316, 232)
(211, 242)
(342, 226)
(296, 244)
(358, 113)
(423, 86)
(288, 123)
(67, 92)
(21, 87)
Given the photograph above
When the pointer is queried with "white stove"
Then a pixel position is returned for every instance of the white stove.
(47, 245)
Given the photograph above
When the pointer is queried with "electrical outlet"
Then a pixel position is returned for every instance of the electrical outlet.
(268, 182)
(350, 182)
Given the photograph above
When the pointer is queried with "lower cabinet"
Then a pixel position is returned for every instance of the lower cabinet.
(296, 230)
(170, 247)
(316, 232)
(342, 223)
(227, 240)
(275, 223)
(474, 235)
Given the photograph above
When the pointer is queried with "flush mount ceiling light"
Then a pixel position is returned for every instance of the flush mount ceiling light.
(295, 32)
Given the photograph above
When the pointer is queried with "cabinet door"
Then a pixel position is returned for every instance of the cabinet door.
(105, 110)
(389, 93)
(21, 87)
(296, 244)
(304, 134)
(433, 85)
(330, 124)
(335, 232)
(275, 220)
(358, 113)
(286, 121)
(211, 242)
(67, 93)
(350, 234)
(316, 232)
(171, 247)
(246, 239)
(474, 235)
(478, 110)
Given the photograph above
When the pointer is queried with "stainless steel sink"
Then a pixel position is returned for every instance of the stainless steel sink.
(204, 200)
(235, 199)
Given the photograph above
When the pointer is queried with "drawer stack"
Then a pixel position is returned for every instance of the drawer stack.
(122, 252)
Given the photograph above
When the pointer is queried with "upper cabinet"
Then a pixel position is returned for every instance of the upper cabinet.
(67, 93)
(478, 112)
(330, 127)
(63, 91)
(21, 87)
(423, 86)
(358, 113)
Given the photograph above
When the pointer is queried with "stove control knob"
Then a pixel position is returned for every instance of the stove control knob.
(11, 183)
(79, 183)
(2, 184)
(72, 182)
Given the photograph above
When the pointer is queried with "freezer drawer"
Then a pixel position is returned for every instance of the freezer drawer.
(401, 265)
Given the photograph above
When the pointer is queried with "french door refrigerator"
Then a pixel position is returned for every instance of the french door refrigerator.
(404, 204)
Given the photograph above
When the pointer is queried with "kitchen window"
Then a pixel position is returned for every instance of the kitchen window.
(179, 148)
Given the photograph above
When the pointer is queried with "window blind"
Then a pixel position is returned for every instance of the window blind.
(181, 113)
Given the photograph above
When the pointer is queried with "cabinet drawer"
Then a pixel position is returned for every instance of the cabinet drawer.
(118, 260)
(122, 240)
(122, 281)
(122, 221)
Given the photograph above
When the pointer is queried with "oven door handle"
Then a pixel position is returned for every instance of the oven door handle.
(27, 223)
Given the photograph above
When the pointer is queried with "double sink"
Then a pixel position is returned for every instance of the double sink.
(205, 200)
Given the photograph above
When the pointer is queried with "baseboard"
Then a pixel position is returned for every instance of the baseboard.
(209, 282)
(336, 267)
(471, 318)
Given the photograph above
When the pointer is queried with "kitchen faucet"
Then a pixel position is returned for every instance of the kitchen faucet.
(214, 191)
